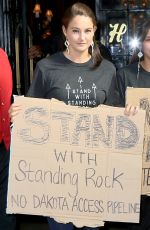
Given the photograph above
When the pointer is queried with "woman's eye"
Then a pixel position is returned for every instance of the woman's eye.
(147, 38)
(88, 31)
(75, 31)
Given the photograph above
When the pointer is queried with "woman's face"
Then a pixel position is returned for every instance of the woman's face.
(146, 46)
(79, 33)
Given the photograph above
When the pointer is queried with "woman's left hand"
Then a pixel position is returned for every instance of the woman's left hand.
(130, 110)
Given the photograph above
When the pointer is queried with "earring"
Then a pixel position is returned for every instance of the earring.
(67, 45)
(140, 54)
(92, 47)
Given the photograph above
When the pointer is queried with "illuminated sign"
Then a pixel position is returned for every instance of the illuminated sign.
(117, 31)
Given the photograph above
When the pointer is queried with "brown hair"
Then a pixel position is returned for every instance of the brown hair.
(142, 33)
(82, 9)
(144, 30)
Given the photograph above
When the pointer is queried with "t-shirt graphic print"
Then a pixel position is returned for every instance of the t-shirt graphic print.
(81, 96)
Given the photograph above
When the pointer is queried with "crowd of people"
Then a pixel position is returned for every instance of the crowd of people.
(81, 57)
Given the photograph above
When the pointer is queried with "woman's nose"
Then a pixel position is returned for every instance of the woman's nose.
(82, 35)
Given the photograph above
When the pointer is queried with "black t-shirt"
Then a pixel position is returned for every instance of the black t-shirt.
(128, 77)
(74, 83)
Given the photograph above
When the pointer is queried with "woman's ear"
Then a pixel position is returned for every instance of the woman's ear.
(95, 28)
(64, 30)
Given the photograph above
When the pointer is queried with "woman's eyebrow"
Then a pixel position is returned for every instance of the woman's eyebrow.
(88, 28)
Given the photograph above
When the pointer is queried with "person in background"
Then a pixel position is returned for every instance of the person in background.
(48, 42)
(137, 74)
(79, 66)
(105, 52)
(7, 222)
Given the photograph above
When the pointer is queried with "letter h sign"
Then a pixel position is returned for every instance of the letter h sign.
(117, 30)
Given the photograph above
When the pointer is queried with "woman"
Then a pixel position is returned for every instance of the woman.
(78, 76)
(7, 222)
(137, 74)
(80, 65)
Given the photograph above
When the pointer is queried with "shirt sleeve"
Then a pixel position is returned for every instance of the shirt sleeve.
(5, 76)
(121, 86)
(113, 94)
(38, 85)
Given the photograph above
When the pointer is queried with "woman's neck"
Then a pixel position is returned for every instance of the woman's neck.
(77, 58)
(146, 64)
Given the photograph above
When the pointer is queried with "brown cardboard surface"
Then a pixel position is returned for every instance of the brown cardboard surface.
(141, 97)
(76, 164)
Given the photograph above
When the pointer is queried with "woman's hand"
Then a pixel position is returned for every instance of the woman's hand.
(35, 52)
(14, 111)
(130, 110)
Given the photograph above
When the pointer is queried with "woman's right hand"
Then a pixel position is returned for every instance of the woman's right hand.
(131, 110)
(14, 111)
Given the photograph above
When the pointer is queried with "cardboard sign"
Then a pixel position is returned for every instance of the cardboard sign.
(80, 165)
(141, 97)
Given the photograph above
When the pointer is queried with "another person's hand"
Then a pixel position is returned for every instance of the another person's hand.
(14, 111)
(130, 110)
(35, 52)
